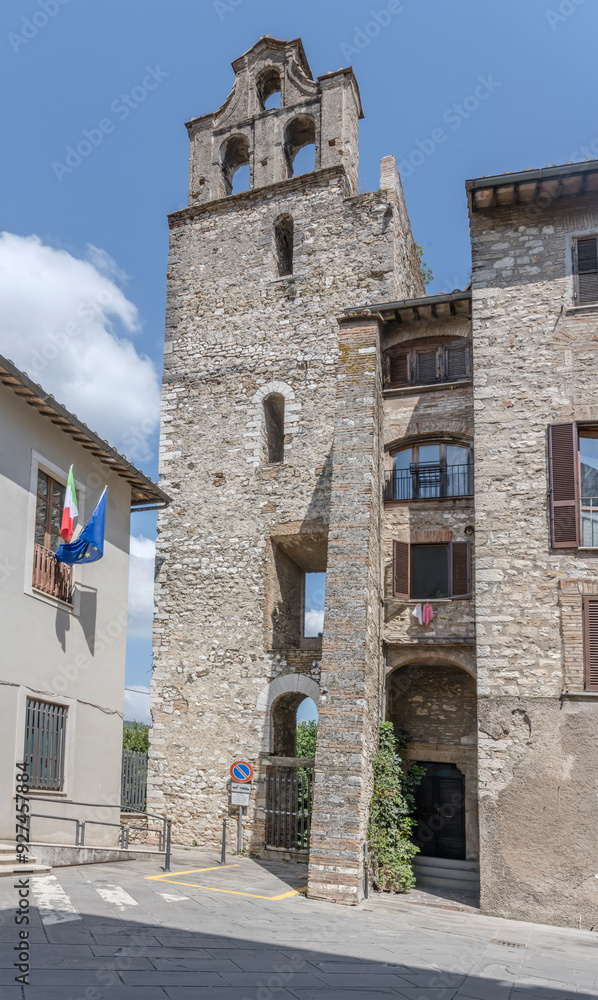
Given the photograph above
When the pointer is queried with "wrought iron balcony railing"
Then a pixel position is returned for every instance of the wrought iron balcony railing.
(52, 577)
(589, 522)
(428, 481)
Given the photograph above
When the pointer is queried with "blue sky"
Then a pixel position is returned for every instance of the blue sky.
(144, 67)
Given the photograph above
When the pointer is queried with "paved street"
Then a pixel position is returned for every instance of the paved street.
(246, 933)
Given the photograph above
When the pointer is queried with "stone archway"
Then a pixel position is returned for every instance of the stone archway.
(436, 703)
(277, 704)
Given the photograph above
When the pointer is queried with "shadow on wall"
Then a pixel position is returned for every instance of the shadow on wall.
(154, 960)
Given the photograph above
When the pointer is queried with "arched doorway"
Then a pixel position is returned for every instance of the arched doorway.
(436, 704)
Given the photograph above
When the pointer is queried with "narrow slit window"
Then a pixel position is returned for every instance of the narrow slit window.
(283, 245)
(313, 603)
(274, 427)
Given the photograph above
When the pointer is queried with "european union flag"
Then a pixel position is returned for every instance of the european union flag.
(89, 546)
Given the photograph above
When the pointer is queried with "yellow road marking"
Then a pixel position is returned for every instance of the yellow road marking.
(213, 888)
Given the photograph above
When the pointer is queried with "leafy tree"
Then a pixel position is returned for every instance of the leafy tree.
(136, 737)
(307, 734)
(427, 273)
(391, 851)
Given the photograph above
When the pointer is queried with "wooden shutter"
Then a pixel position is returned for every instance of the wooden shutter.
(461, 569)
(396, 367)
(427, 367)
(401, 569)
(585, 268)
(564, 491)
(456, 362)
(590, 642)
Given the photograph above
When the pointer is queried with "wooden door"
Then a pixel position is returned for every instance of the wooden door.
(440, 812)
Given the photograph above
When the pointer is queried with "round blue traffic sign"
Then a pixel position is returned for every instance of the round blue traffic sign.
(241, 771)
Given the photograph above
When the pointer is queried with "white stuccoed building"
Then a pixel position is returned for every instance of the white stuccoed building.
(64, 630)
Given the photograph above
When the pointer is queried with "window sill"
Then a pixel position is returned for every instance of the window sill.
(572, 310)
(462, 496)
(56, 602)
(54, 793)
(414, 390)
(592, 695)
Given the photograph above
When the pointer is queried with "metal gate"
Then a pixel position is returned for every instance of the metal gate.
(134, 780)
(288, 809)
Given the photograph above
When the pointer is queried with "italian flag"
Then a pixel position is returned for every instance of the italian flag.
(70, 509)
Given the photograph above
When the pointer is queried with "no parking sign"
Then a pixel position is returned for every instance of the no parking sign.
(241, 771)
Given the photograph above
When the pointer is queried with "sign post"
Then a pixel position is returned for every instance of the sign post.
(241, 773)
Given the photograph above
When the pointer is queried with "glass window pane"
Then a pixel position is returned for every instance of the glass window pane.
(42, 483)
(40, 534)
(55, 541)
(588, 461)
(456, 454)
(429, 453)
(402, 459)
(40, 510)
(429, 572)
(58, 495)
(55, 519)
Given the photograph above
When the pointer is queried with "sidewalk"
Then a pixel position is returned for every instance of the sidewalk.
(247, 932)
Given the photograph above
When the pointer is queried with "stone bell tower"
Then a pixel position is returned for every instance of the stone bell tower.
(256, 280)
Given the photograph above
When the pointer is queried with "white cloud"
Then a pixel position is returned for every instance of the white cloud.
(64, 321)
(137, 704)
(314, 622)
(141, 586)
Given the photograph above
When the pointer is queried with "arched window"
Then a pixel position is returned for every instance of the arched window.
(430, 470)
(274, 427)
(283, 245)
(426, 361)
(285, 721)
(269, 88)
(234, 154)
(299, 133)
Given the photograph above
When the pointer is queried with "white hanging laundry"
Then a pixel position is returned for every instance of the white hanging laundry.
(417, 613)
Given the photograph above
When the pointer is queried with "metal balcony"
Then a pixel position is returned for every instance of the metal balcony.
(430, 481)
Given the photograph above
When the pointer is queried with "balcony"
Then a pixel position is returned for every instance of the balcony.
(589, 522)
(52, 577)
(431, 481)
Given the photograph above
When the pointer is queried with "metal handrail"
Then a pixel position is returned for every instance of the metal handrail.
(429, 481)
(164, 835)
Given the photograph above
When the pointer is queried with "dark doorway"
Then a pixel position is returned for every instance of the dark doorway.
(440, 812)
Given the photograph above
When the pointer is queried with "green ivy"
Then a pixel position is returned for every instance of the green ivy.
(392, 805)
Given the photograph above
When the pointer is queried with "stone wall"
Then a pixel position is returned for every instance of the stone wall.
(534, 365)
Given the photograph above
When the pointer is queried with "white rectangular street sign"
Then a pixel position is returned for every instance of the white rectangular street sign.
(240, 786)
(239, 798)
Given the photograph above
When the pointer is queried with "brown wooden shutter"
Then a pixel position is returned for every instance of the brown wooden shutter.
(461, 569)
(590, 642)
(396, 367)
(585, 269)
(401, 569)
(427, 366)
(564, 492)
(456, 366)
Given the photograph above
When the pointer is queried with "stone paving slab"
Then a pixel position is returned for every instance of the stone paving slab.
(224, 946)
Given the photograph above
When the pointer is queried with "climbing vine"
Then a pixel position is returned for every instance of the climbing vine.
(391, 851)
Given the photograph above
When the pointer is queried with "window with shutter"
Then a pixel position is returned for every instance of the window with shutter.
(456, 362)
(427, 367)
(399, 369)
(461, 569)
(401, 558)
(585, 260)
(564, 491)
(590, 628)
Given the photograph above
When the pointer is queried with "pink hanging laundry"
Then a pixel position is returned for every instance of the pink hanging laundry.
(427, 614)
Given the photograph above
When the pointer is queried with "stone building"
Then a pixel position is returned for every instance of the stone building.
(319, 414)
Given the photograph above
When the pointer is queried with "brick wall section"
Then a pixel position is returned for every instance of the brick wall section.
(351, 663)
(534, 364)
(436, 704)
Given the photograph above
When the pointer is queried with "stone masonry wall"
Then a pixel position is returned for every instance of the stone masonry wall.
(352, 678)
(534, 365)
(234, 332)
